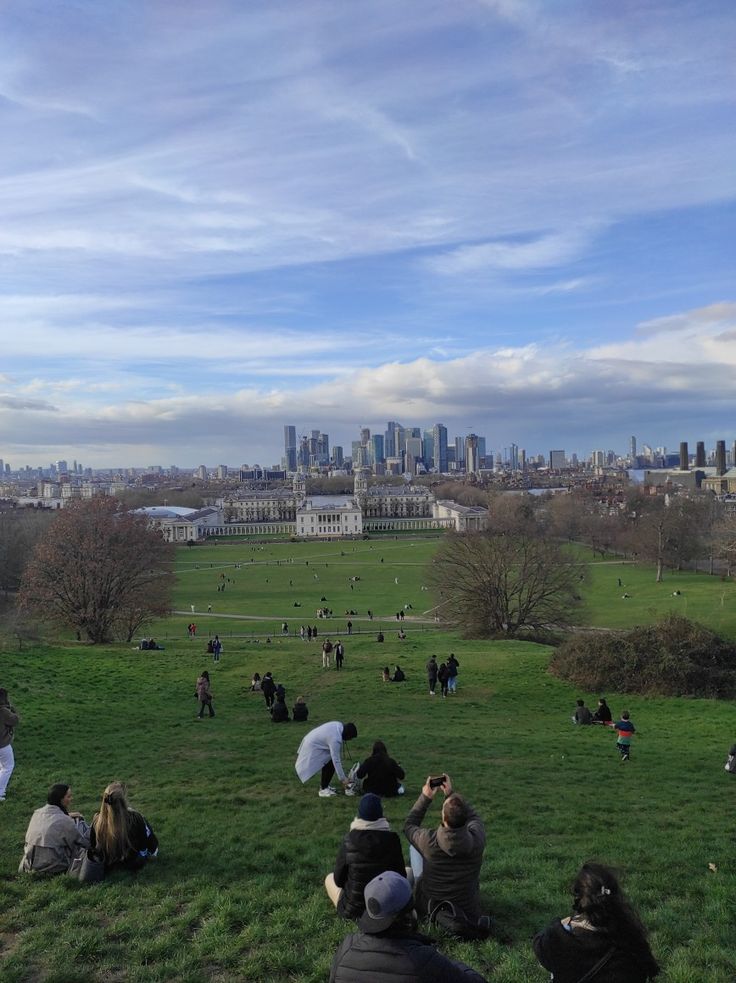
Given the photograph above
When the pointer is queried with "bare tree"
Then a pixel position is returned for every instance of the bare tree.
(99, 571)
(19, 531)
(666, 532)
(498, 582)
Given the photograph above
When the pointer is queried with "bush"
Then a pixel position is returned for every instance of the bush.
(676, 657)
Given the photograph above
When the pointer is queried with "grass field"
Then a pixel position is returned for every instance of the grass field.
(236, 893)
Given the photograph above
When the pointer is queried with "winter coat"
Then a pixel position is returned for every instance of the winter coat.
(452, 667)
(363, 855)
(268, 686)
(452, 860)
(569, 955)
(143, 843)
(300, 712)
(53, 840)
(396, 956)
(319, 746)
(381, 775)
(280, 713)
(582, 715)
(432, 669)
(8, 721)
(203, 690)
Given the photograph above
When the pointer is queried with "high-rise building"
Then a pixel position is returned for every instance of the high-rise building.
(290, 448)
(481, 452)
(472, 460)
(557, 460)
(376, 449)
(459, 453)
(365, 435)
(413, 451)
(514, 457)
(390, 446)
(222, 471)
(684, 456)
(337, 455)
(598, 459)
(439, 451)
(632, 448)
(700, 454)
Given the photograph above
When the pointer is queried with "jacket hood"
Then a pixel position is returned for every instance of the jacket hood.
(456, 842)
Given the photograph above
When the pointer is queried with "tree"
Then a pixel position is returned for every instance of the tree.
(100, 571)
(666, 531)
(501, 582)
(19, 530)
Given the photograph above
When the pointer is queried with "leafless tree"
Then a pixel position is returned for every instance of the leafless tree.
(500, 582)
(100, 571)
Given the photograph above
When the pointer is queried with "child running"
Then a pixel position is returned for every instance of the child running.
(625, 730)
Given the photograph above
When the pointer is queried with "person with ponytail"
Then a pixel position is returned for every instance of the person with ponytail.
(603, 940)
(55, 836)
(120, 834)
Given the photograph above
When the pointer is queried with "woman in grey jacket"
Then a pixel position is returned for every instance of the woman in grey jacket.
(54, 836)
(8, 722)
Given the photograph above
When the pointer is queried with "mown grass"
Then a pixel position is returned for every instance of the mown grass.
(236, 893)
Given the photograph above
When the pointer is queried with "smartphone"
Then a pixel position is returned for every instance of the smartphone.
(436, 782)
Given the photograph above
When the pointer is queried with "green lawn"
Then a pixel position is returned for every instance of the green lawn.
(236, 893)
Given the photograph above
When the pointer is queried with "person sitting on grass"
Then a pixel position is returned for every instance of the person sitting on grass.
(255, 683)
(120, 834)
(399, 675)
(300, 711)
(603, 714)
(582, 714)
(280, 711)
(603, 938)
(386, 674)
(369, 848)
(387, 947)
(380, 773)
(54, 836)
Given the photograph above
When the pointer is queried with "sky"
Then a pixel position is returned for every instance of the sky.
(513, 217)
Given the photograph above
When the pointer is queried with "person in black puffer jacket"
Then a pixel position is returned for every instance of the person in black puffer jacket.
(380, 773)
(369, 849)
(387, 948)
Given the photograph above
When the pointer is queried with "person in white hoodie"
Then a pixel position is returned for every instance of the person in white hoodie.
(321, 750)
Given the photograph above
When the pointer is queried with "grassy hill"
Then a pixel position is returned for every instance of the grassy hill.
(236, 893)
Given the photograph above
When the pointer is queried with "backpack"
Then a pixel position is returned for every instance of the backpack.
(454, 921)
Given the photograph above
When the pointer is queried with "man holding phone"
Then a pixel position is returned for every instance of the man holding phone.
(446, 861)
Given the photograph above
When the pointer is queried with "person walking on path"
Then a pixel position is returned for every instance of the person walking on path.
(321, 750)
(339, 654)
(432, 670)
(204, 695)
(452, 669)
(9, 720)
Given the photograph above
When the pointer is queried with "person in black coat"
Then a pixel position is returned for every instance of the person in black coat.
(300, 711)
(380, 773)
(368, 849)
(268, 688)
(388, 948)
(280, 712)
(603, 714)
(399, 675)
(603, 929)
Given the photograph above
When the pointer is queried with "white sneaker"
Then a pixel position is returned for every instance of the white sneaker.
(351, 790)
(325, 793)
(400, 790)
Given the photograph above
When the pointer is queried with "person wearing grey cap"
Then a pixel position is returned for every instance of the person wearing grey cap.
(387, 947)
(369, 848)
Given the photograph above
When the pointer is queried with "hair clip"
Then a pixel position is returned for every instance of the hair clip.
(605, 890)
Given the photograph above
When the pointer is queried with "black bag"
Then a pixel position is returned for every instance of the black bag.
(454, 921)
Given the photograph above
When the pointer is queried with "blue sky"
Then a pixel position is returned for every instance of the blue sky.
(219, 217)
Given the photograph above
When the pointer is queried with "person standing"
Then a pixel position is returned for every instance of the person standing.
(432, 674)
(268, 688)
(452, 670)
(321, 750)
(216, 649)
(9, 720)
(204, 695)
(326, 650)
(350, 627)
(443, 675)
(339, 654)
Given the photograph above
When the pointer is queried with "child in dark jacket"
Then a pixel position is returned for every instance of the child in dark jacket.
(625, 730)
(300, 711)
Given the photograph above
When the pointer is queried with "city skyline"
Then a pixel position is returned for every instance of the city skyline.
(511, 217)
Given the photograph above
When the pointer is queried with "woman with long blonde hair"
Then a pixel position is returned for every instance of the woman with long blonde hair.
(120, 834)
